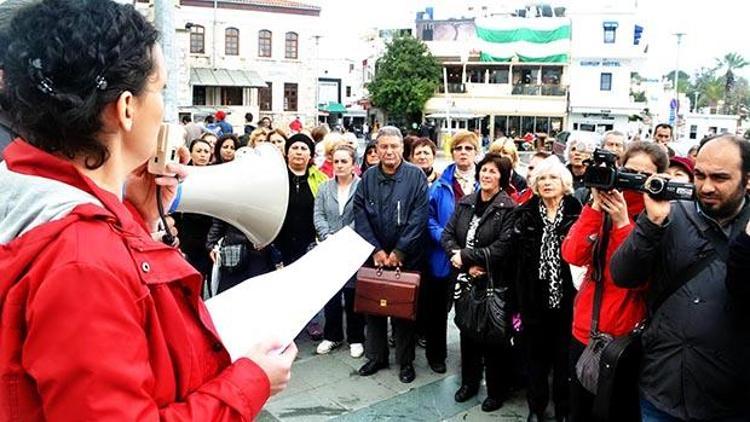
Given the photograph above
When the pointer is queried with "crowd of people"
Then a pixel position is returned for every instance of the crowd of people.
(480, 218)
(100, 320)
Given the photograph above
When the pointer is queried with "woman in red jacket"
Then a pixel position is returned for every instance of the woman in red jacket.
(621, 309)
(97, 320)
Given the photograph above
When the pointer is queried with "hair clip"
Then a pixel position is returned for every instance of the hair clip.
(43, 83)
(101, 83)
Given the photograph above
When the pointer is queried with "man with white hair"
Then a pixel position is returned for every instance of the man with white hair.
(390, 212)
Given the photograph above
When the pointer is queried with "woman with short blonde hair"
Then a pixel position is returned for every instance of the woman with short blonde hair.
(506, 147)
(257, 136)
(330, 142)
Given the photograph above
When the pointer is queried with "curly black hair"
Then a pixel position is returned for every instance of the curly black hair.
(63, 61)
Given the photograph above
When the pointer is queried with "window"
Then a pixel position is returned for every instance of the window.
(476, 75)
(605, 82)
(348, 91)
(231, 95)
(693, 131)
(499, 76)
(290, 45)
(427, 30)
(290, 97)
(197, 40)
(609, 32)
(232, 42)
(199, 95)
(264, 43)
(265, 97)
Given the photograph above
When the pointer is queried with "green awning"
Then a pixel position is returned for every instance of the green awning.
(225, 77)
(333, 107)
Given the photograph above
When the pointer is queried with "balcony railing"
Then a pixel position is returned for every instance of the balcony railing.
(542, 89)
(547, 90)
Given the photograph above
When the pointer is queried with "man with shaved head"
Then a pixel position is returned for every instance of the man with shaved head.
(696, 347)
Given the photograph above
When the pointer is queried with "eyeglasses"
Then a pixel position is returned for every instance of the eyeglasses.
(467, 148)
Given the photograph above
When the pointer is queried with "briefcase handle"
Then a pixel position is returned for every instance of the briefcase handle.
(379, 271)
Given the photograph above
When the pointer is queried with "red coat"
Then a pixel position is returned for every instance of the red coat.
(99, 322)
(621, 309)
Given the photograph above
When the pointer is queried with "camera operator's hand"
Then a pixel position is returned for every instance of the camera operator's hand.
(657, 210)
(596, 202)
(613, 203)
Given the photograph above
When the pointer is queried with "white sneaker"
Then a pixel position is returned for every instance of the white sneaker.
(356, 350)
(326, 346)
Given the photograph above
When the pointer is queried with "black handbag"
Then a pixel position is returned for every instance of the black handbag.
(481, 313)
(589, 363)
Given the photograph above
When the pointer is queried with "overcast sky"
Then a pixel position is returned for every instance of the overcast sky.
(713, 27)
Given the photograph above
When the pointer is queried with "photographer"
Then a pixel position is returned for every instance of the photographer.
(695, 353)
(621, 309)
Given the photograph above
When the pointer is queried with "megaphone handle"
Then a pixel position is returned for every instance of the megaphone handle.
(168, 238)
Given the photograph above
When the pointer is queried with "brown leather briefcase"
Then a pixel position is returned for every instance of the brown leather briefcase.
(391, 293)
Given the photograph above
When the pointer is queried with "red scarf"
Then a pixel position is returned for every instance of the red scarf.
(634, 199)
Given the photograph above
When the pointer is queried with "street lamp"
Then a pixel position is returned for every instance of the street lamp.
(676, 79)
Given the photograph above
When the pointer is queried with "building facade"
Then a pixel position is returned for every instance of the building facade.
(504, 74)
(249, 56)
(607, 48)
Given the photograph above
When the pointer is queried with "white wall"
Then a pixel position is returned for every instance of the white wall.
(276, 69)
(591, 57)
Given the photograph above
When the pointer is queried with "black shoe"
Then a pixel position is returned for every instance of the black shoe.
(407, 375)
(438, 367)
(465, 393)
(490, 405)
(371, 367)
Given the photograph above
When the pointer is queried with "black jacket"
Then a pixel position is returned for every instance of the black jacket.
(695, 354)
(231, 235)
(193, 231)
(532, 293)
(738, 273)
(390, 212)
(494, 232)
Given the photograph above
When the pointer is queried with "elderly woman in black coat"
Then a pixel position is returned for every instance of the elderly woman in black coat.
(482, 222)
(544, 285)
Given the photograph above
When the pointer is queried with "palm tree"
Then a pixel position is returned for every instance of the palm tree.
(729, 63)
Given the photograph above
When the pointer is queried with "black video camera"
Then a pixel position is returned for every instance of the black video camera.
(602, 173)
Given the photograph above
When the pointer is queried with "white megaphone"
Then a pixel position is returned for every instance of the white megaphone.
(250, 193)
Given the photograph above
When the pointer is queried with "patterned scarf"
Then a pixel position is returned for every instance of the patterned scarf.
(549, 262)
(465, 180)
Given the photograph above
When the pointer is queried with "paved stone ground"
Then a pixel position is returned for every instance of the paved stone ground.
(327, 387)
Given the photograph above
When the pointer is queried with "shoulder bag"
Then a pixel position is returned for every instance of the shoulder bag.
(481, 313)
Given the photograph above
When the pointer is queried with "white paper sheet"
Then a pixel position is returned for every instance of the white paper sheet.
(279, 304)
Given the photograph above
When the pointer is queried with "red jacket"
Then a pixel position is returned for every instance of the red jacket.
(621, 309)
(99, 322)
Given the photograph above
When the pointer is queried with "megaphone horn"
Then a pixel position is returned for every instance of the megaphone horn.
(249, 192)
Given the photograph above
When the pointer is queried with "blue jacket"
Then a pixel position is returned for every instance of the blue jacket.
(390, 212)
(442, 204)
